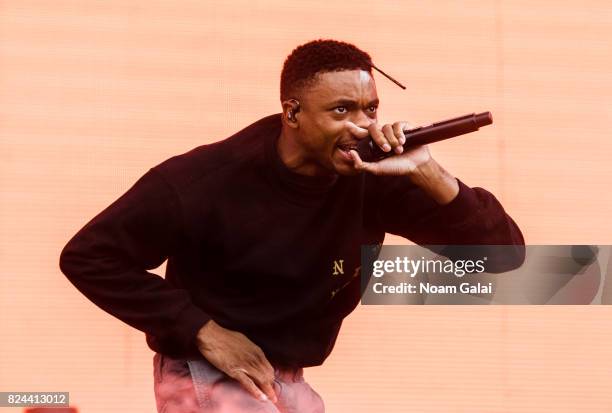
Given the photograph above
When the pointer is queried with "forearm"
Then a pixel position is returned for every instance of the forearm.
(135, 296)
(440, 209)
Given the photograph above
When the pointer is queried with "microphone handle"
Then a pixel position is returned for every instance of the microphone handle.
(369, 151)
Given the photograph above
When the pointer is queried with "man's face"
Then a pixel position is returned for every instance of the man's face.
(325, 107)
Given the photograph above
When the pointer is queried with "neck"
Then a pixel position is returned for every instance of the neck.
(293, 155)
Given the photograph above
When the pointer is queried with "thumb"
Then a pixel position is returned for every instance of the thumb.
(360, 165)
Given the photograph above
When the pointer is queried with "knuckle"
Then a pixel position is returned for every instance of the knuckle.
(254, 362)
(388, 130)
(268, 368)
(235, 374)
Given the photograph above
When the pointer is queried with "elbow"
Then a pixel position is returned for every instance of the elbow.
(504, 258)
(67, 261)
(514, 257)
(517, 249)
(71, 260)
(508, 254)
(508, 247)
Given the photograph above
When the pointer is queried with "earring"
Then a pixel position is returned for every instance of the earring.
(294, 108)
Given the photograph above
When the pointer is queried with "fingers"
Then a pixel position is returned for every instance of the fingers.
(356, 130)
(379, 137)
(249, 385)
(257, 378)
(389, 136)
(398, 131)
(268, 389)
(264, 377)
(394, 141)
(238, 357)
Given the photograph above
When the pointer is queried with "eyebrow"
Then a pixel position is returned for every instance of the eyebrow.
(351, 103)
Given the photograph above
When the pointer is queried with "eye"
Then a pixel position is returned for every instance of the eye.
(373, 109)
(340, 109)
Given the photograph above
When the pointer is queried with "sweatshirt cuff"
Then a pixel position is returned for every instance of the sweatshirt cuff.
(188, 324)
(465, 205)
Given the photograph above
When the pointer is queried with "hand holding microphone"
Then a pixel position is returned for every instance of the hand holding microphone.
(386, 141)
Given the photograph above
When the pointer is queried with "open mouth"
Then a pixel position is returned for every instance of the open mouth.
(346, 147)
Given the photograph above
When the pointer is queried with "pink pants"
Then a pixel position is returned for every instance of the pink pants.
(196, 386)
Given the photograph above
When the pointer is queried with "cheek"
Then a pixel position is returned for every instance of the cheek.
(331, 131)
(323, 135)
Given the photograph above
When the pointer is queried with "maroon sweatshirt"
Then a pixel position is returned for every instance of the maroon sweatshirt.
(251, 245)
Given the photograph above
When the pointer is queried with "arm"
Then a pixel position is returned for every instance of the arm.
(421, 201)
(471, 216)
(108, 259)
(440, 209)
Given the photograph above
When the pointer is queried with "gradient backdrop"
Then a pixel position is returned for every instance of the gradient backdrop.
(93, 93)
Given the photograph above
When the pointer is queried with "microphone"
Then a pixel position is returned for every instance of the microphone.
(369, 151)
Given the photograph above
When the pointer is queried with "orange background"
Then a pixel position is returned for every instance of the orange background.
(93, 93)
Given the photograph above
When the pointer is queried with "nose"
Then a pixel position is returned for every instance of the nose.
(362, 120)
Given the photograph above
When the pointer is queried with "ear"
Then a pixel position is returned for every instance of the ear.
(290, 109)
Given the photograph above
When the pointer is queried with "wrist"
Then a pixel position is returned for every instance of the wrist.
(426, 171)
(204, 332)
(435, 181)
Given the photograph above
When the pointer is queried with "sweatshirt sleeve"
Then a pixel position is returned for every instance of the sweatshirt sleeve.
(473, 217)
(107, 261)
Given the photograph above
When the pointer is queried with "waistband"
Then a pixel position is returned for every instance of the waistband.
(291, 374)
(287, 374)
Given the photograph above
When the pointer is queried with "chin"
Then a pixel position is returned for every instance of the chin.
(342, 164)
(346, 170)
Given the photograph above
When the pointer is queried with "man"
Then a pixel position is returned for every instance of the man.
(254, 228)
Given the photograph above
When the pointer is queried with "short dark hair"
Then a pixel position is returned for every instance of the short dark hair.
(318, 56)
